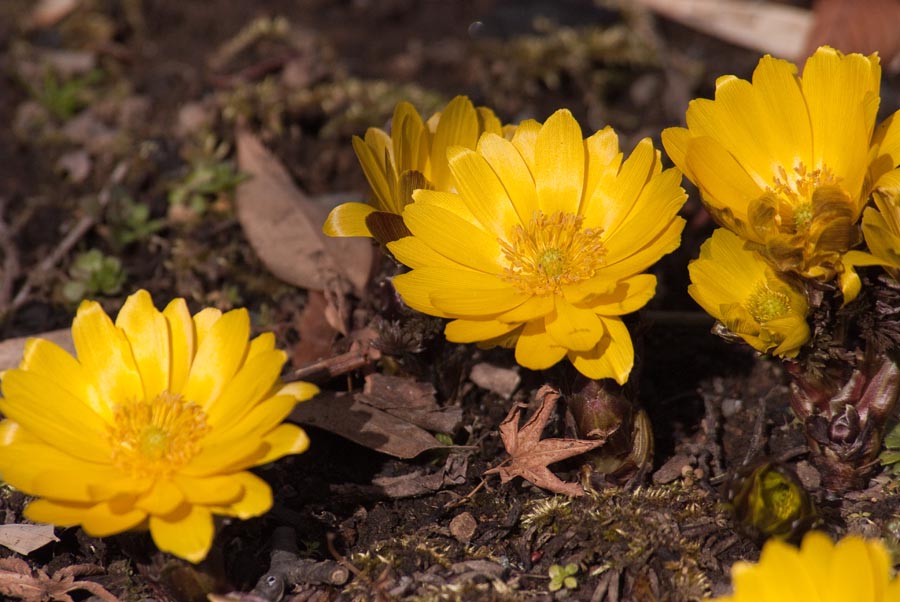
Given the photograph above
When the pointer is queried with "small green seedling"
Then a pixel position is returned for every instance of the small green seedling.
(563, 576)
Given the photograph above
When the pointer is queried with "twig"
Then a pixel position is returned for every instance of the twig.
(78, 231)
(380, 594)
(325, 370)
(11, 266)
(288, 569)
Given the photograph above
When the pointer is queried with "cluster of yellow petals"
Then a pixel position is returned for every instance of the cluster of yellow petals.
(154, 425)
(412, 156)
(788, 162)
(819, 571)
(738, 288)
(543, 244)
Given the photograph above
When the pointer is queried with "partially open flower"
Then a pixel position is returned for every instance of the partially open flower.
(881, 228)
(740, 290)
(154, 425)
(412, 156)
(544, 245)
(853, 569)
(787, 162)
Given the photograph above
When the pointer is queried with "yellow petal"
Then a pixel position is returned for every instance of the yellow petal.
(676, 142)
(639, 261)
(260, 344)
(52, 362)
(203, 323)
(97, 520)
(148, 332)
(374, 168)
(415, 288)
(525, 141)
(54, 415)
(42, 470)
(416, 253)
(472, 331)
(574, 328)
(651, 213)
(532, 309)
(444, 231)
(628, 296)
(406, 128)
(482, 192)
(106, 355)
(840, 89)
(256, 498)
(187, 534)
(348, 219)
(210, 491)
(602, 151)
(559, 164)
(285, 439)
(722, 180)
(254, 423)
(458, 126)
(850, 573)
(254, 380)
(218, 356)
(216, 459)
(608, 206)
(456, 293)
(613, 357)
(299, 390)
(183, 343)
(513, 172)
(535, 349)
(163, 498)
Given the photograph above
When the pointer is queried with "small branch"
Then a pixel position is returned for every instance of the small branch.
(65, 246)
(11, 266)
(287, 569)
(325, 370)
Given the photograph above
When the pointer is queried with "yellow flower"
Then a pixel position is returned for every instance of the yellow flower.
(153, 426)
(412, 156)
(819, 571)
(738, 288)
(788, 162)
(881, 228)
(544, 244)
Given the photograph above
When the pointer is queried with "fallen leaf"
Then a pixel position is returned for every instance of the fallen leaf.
(502, 381)
(285, 228)
(411, 401)
(19, 581)
(530, 456)
(11, 349)
(778, 29)
(343, 415)
(420, 483)
(24, 538)
(316, 334)
(48, 13)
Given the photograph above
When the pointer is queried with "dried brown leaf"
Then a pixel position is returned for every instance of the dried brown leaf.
(24, 538)
(284, 227)
(361, 423)
(409, 400)
(19, 581)
(530, 456)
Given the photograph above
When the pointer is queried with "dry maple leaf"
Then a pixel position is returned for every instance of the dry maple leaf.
(530, 455)
(17, 580)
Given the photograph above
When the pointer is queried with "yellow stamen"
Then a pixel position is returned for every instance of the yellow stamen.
(158, 437)
(764, 304)
(550, 252)
(798, 187)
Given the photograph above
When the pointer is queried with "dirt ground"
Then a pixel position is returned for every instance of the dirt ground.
(118, 172)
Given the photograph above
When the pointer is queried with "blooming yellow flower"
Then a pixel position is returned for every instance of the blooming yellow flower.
(738, 288)
(544, 244)
(819, 571)
(154, 425)
(788, 162)
(413, 156)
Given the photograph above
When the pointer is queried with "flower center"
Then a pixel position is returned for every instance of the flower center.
(550, 252)
(798, 187)
(764, 304)
(158, 437)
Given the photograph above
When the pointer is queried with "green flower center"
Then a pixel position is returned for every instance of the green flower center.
(765, 304)
(551, 252)
(158, 437)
